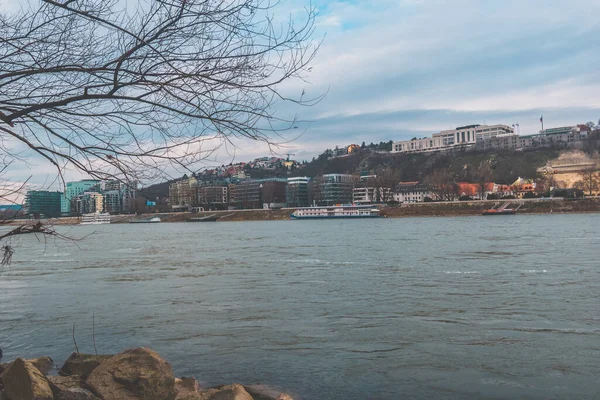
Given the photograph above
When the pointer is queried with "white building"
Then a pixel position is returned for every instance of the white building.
(412, 192)
(462, 136)
(364, 195)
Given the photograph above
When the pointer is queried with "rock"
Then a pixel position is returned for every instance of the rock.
(229, 392)
(44, 364)
(76, 394)
(60, 384)
(186, 387)
(139, 374)
(23, 381)
(82, 364)
(264, 392)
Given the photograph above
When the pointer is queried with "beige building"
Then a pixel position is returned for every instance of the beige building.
(182, 193)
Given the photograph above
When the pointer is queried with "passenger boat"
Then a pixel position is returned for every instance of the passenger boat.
(145, 220)
(337, 211)
(95, 218)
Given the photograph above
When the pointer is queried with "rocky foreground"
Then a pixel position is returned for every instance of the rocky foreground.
(135, 374)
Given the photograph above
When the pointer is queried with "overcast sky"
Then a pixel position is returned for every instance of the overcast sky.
(396, 69)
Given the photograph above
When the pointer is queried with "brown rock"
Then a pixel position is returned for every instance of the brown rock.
(76, 394)
(139, 374)
(186, 387)
(264, 392)
(44, 364)
(62, 383)
(23, 381)
(229, 392)
(82, 364)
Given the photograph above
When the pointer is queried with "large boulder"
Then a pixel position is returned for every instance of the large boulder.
(228, 392)
(43, 364)
(136, 374)
(23, 381)
(82, 364)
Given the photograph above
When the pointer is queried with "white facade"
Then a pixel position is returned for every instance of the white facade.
(461, 136)
(412, 192)
(369, 195)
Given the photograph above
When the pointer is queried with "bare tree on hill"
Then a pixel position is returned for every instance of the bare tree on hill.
(442, 184)
(121, 92)
(590, 182)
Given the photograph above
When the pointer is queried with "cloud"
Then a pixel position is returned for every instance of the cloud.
(394, 69)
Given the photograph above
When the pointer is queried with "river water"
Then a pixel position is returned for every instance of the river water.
(503, 307)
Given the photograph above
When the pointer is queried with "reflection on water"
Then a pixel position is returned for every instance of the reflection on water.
(371, 309)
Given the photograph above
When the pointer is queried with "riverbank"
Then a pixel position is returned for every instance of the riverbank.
(134, 374)
(442, 209)
(445, 209)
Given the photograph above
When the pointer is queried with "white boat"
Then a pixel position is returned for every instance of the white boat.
(95, 218)
(337, 211)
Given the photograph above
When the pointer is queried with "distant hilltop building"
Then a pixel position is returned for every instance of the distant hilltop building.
(493, 137)
(467, 135)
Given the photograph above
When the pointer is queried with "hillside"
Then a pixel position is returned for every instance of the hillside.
(506, 166)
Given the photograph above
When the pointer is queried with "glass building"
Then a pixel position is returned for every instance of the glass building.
(43, 203)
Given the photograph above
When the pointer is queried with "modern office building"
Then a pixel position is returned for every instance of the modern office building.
(245, 195)
(74, 189)
(212, 196)
(273, 192)
(331, 189)
(43, 203)
(297, 192)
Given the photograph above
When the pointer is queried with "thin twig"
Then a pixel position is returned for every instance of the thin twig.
(94, 332)
(74, 341)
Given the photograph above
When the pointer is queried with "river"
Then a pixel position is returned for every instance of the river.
(496, 307)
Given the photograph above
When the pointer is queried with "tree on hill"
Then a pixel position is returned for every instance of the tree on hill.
(442, 184)
(590, 182)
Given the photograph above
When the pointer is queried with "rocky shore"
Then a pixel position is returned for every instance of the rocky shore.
(134, 374)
